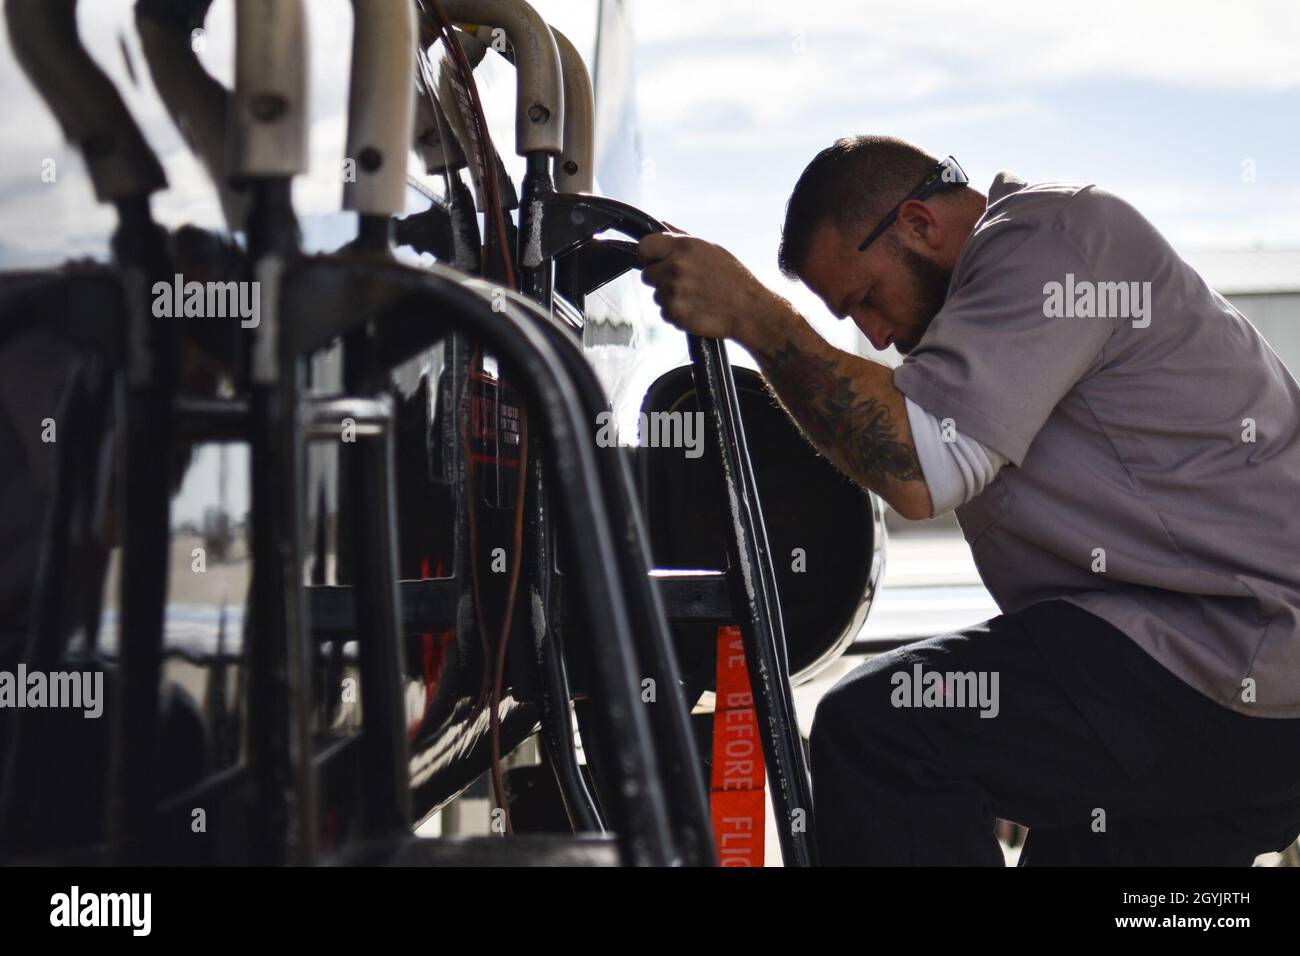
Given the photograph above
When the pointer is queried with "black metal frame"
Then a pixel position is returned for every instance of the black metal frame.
(654, 796)
(569, 225)
(411, 309)
(671, 715)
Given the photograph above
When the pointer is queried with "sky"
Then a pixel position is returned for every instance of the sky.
(1189, 110)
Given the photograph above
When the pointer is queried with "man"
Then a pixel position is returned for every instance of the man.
(1123, 452)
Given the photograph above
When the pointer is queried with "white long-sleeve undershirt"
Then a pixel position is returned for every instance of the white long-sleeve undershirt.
(956, 467)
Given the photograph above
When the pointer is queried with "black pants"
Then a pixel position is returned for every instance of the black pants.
(1103, 754)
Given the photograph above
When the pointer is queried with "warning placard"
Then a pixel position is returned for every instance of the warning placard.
(736, 790)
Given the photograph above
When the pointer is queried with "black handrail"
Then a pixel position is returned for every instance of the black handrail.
(670, 715)
(570, 222)
(414, 308)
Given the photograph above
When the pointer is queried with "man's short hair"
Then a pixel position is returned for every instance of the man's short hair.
(851, 184)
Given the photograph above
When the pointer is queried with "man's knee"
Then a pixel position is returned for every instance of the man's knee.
(857, 711)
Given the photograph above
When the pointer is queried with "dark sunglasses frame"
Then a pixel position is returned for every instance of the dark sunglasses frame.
(945, 175)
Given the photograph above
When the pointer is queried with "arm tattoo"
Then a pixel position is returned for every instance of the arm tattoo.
(837, 420)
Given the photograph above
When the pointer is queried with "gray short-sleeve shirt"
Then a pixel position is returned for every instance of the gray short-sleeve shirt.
(1152, 434)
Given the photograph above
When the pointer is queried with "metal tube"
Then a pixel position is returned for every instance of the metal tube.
(380, 122)
(557, 737)
(386, 796)
(268, 137)
(381, 101)
(536, 272)
(575, 169)
(144, 449)
(539, 102)
(83, 99)
(280, 740)
(196, 102)
(268, 120)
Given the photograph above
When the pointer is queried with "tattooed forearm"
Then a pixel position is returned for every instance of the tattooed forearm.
(856, 431)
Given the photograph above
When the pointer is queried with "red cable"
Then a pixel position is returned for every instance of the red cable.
(485, 154)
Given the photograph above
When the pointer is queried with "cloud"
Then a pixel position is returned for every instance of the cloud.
(1196, 43)
(729, 70)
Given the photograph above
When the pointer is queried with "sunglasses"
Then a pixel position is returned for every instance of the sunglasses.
(947, 174)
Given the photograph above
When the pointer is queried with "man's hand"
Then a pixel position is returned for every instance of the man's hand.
(703, 289)
(846, 405)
